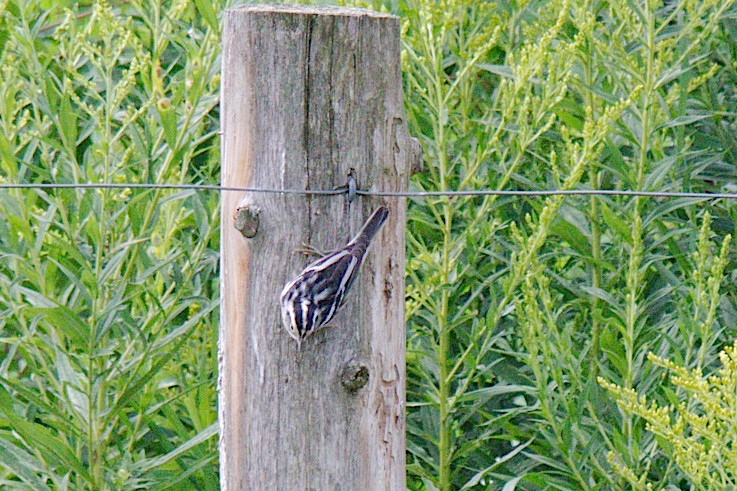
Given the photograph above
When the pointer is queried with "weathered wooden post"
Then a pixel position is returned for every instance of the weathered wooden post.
(309, 93)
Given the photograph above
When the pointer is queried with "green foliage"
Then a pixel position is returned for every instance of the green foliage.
(516, 306)
(701, 437)
(108, 298)
(699, 441)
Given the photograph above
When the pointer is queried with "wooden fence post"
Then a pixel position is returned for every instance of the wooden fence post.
(309, 93)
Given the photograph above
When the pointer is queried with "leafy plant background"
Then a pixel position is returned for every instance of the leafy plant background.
(108, 298)
(529, 320)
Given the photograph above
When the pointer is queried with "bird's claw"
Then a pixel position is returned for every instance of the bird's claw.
(309, 250)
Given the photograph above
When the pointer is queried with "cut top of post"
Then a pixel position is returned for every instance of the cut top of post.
(313, 10)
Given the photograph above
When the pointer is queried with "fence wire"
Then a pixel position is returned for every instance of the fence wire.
(396, 194)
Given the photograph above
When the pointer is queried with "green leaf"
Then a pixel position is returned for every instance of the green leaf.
(41, 438)
(169, 118)
(65, 321)
(22, 464)
(572, 235)
(67, 122)
(208, 13)
(617, 224)
(199, 438)
(511, 485)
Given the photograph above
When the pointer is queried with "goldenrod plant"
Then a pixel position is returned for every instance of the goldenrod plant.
(698, 432)
(516, 305)
(108, 297)
(529, 319)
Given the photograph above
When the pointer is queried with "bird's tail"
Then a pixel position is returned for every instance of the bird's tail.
(369, 230)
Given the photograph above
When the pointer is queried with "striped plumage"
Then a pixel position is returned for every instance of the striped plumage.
(309, 301)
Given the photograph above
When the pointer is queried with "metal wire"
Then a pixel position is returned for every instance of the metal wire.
(553, 192)
(395, 194)
(197, 187)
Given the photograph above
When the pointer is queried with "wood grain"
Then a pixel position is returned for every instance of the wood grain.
(309, 93)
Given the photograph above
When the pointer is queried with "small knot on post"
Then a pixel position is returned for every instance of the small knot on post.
(354, 376)
(246, 220)
(415, 156)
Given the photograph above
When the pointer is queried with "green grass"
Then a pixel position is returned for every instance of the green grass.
(533, 324)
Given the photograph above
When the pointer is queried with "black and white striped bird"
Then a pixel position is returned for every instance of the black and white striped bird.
(309, 301)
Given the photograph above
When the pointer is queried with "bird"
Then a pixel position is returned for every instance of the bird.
(311, 300)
